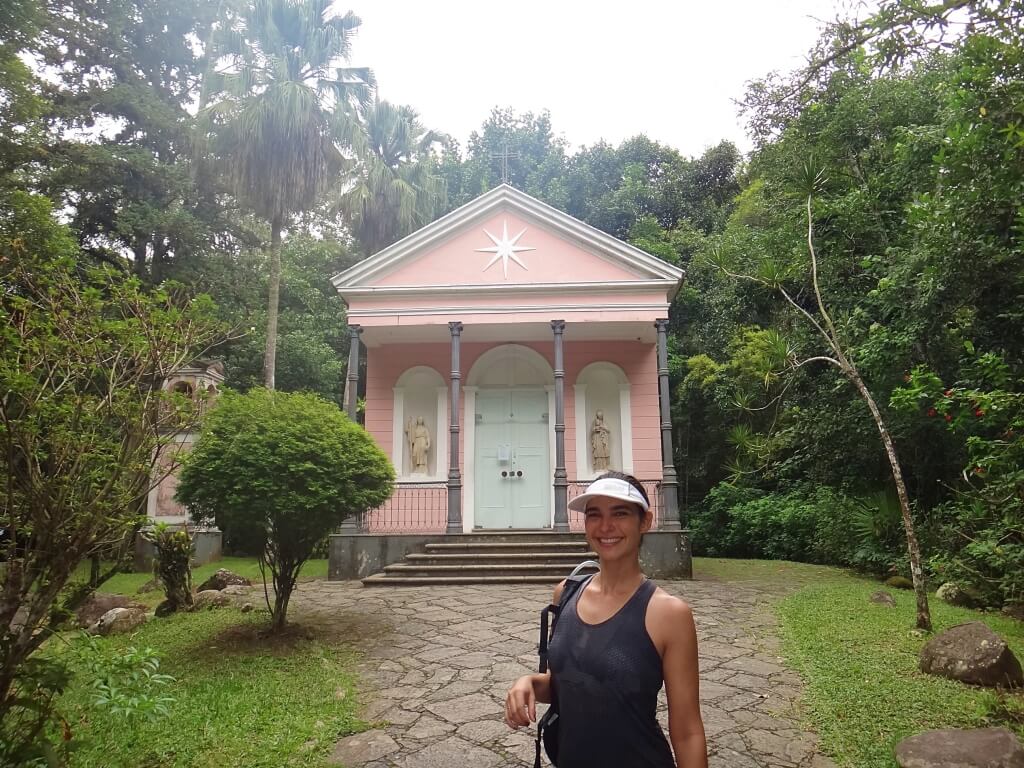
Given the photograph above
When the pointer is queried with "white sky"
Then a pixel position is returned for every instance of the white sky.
(670, 69)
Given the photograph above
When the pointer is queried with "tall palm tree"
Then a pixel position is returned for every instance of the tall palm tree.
(396, 186)
(277, 111)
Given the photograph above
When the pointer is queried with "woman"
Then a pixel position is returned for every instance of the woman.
(617, 639)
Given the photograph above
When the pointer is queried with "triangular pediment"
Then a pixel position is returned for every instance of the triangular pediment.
(506, 238)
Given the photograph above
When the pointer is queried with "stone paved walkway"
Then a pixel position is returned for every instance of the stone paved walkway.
(438, 661)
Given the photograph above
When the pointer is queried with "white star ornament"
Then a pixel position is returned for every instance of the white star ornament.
(505, 249)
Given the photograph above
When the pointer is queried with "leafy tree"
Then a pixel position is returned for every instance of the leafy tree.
(119, 158)
(777, 276)
(83, 352)
(535, 159)
(279, 471)
(277, 110)
(395, 187)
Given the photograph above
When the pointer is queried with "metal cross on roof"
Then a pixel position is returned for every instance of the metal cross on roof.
(504, 156)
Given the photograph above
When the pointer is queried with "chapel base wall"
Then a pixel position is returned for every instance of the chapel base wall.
(663, 554)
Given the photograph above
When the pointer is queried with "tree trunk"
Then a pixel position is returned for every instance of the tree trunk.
(274, 292)
(284, 584)
(924, 617)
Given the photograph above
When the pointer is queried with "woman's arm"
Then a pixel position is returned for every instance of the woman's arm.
(522, 698)
(674, 625)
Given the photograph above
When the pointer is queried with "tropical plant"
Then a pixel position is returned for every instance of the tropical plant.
(277, 472)
(83, 353)
(173, 566)
(278, 111)
(396, 187)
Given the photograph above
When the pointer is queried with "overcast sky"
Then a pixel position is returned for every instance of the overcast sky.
(668, 68)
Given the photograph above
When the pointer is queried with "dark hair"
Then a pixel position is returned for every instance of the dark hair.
(632, 481)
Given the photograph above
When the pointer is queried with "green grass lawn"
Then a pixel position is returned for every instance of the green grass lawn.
(240, 699)
(129, 583)
(864, 691)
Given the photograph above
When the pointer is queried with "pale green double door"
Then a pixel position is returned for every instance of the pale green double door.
(512, 468)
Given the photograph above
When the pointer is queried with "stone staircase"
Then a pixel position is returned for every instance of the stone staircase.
(505, 557)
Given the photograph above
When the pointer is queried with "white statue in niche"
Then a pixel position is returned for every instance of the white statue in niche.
(419, 445)
(600, 443)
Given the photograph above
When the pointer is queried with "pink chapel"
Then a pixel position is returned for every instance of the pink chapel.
(512, 354)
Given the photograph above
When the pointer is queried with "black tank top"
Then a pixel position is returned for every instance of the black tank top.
(606, 677)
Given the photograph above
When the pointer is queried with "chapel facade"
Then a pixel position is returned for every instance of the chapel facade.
(513, 353)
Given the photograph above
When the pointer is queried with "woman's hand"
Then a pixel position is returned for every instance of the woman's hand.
(521, 703)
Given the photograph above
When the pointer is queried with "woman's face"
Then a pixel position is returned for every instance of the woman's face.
(614, 527)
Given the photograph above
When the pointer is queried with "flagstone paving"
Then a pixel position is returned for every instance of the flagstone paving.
(437, 662)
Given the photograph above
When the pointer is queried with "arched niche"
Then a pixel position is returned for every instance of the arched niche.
(604, 387)
(511, 365)
(420, 393)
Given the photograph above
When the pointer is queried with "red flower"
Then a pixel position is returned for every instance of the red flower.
(948, 417)
(979, 470)
(978, 412)
(932, 412)
(948, 393)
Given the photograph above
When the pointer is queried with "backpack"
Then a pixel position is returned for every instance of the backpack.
(547, 726)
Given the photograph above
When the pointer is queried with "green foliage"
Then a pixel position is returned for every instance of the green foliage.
(864, 690)
(238, 698)
(397, 187)
(983, 524)
(173, 566)
(126, 683)
(83, 352)
(277, 472)
(32, 730)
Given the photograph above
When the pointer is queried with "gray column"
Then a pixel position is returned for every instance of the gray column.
(353, 523)
(454, 475)
(352, 390)
(561, 478)
(669, 483)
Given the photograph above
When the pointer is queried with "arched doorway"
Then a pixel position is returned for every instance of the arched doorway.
(508, 446)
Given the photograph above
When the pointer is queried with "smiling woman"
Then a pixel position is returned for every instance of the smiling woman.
(619, 637)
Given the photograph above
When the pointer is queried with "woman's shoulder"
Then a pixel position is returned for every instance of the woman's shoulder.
(668, 617)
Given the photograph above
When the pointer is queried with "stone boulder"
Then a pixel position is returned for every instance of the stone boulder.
(972, 653)
(211, 598)
(883, 598)
(150, 586)
(977, 748)
(99, 603)
(119, 620)
(1014, 611)
(899, 582)
(951, 593)
(223, 578)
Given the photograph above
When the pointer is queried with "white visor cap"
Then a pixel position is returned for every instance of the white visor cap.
(613, 488)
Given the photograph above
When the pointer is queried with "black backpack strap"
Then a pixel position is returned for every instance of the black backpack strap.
(550, 615)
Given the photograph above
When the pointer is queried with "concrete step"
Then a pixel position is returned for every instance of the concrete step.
(470, 569)
(510, 546)
(380, 580)
(443, 558)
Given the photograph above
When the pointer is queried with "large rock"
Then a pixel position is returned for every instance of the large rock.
(972, 653)
(881, 597)
(223, 578)
(954, 595)
(979, 748)
(211, 598)
(99, 603)
(119, 620)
